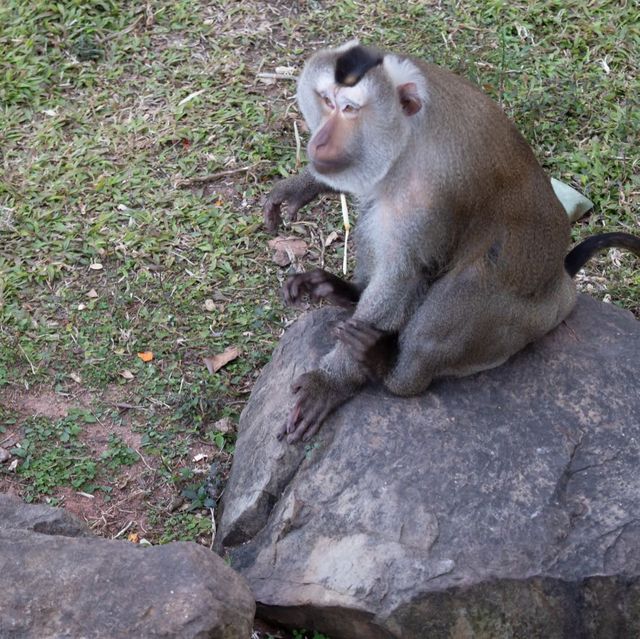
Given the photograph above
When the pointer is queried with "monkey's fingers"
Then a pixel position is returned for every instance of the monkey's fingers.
(322, 291)
(361, 339)
(364, 328)
(353, 340)
(271, 213)
(293, 289)
(290, 425)
(313, 414)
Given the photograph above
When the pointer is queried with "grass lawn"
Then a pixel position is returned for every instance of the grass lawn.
(136, 143)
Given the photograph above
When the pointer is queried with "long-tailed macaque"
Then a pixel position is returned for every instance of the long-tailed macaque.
(461, 241)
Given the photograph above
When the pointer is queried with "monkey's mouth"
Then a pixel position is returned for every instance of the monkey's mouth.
(324, 166)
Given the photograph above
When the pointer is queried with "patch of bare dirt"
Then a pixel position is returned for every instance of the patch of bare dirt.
(31, 403)
(125, 504)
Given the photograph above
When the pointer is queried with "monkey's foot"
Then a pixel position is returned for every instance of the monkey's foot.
(316, 398)
(317, 285)
(373, 349)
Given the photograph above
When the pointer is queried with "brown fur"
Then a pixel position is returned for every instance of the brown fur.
(461, 239)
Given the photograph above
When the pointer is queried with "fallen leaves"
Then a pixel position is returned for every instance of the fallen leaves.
(287, 249)
(216, 362)
(146, 356)
(330, 239)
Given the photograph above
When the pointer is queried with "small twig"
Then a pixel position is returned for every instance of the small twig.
(123, 406)
(131, 27)
(202, 179)
(34, 370)
(213, 528)
(276, 76)
(144, 461)
(298, 144)
(124, 530)
(347, 228)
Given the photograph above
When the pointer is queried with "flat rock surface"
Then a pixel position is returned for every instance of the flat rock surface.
(63, 585)
(504, 504)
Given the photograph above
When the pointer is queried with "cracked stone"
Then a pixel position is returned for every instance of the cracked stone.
(501, 504)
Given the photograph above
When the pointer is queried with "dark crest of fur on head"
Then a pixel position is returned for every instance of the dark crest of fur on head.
(354, 63)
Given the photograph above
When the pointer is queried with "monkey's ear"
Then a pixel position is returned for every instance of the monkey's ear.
(410, 100)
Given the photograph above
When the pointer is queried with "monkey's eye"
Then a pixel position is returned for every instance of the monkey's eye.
(327, 100)
(349, 108)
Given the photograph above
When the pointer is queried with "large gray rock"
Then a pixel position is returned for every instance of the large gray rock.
(62, 585)
(505, 504)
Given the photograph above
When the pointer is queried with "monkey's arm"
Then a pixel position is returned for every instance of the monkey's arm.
(368, 351)
(296, 191)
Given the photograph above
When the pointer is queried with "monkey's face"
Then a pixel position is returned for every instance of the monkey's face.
(357, 131)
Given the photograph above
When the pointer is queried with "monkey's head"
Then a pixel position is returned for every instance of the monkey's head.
(361, 106)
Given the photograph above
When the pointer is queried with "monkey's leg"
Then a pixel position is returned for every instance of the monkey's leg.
(296, 191)
(461, 329)
(319, 284)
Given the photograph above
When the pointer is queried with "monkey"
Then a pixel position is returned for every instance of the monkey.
(461, 242)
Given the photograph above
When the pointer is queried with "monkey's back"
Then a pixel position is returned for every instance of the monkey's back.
(508, 212)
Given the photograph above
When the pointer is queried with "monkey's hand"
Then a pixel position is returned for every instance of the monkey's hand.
(316, 398)
(296, 191)
(317, 285)
(372, 348)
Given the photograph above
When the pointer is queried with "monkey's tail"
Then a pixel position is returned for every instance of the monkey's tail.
(579, 255)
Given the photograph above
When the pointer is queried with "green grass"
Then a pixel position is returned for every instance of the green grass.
(96, 134)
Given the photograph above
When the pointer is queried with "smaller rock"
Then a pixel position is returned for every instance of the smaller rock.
(5, 455)
(65, 583)
(14, 513)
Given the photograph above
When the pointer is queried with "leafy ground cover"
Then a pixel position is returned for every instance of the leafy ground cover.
(136, 142)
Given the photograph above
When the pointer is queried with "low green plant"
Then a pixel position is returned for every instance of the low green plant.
(53, 455)
(186, 527)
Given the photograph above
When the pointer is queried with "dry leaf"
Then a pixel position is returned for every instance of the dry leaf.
(92, 293)
(96, 266)
(216, 362)
(210, 305)
(199, 457)
(287, 249)
(147, 356)
(224, 425)
(76, 378)
(126, 374)
(133, 537)
(13, 465)
(331, 238)
(285, 70)
(81, 307)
